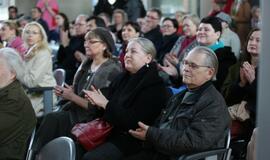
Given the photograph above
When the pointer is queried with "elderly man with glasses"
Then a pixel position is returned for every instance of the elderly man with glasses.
(194, 120)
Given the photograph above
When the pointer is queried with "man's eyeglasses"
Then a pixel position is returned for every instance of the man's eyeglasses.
(80, 24)
(152, 17)
(166, 26)
(92, 41)
(193, 65)
(28, 32)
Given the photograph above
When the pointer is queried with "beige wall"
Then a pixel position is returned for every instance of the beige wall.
(71, 8)
(24, 6)
(205, 7)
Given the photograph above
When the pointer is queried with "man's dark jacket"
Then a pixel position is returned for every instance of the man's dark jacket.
(194, 121)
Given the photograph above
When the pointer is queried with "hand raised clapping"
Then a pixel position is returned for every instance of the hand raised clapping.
(95, 97)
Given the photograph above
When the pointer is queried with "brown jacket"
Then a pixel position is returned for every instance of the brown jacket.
(17, 121)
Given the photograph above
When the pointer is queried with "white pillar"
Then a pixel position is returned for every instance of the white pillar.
(263, 113)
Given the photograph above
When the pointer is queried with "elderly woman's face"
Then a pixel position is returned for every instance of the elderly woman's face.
(206, 34)
(6, 76)
(32, 35)
(189, 28)
(135, 57)
(94, 47)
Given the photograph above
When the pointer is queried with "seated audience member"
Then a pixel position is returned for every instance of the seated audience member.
(13, 13)
(228, 37)
(36, 15)
(38, 63)
(93, 22)
(22, 21)
(139, 94)
(99, 69)
(62, 28)
(169, 32)
(179, 16)
(151, 29)
(72, 30)
(118, 20)
(256, 19)
(185, 42)
(194, 120)
(10, 34)
(208, 35)
(240, 85)
(241, 15)
(130, 30)
(71, 50)
(106, 18)
(17, 117)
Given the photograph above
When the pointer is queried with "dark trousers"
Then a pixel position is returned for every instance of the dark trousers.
(106, 151)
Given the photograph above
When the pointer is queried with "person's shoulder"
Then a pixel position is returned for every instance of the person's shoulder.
(113, 63)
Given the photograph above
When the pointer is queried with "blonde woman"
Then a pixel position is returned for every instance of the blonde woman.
(38, 63)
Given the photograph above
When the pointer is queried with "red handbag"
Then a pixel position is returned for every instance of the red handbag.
(92, 134)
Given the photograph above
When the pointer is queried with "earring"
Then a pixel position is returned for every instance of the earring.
(147, 65)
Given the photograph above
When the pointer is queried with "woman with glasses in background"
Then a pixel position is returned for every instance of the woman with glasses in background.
(98, 70)
(130, 30)
(38, 63)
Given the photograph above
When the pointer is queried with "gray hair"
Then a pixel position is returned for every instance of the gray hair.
(194, 19)
(146, 45)
(14, 62)
(211, 59)
(44, 41)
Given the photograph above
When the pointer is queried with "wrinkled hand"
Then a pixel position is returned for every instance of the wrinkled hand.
(249, 72)
(96, 97)
(65, 92)
(169, 68)
(140, 133)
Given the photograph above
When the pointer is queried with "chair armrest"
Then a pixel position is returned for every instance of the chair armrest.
(47, 97)
(39, 89)
(204, 154)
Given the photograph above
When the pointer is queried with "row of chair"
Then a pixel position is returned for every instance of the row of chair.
(63, 148)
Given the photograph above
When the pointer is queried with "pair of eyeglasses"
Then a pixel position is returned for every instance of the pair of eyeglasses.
(80, 24)
(166, 26)
(193, 65)
(28, 32)
(152, 17)
(92, 41)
